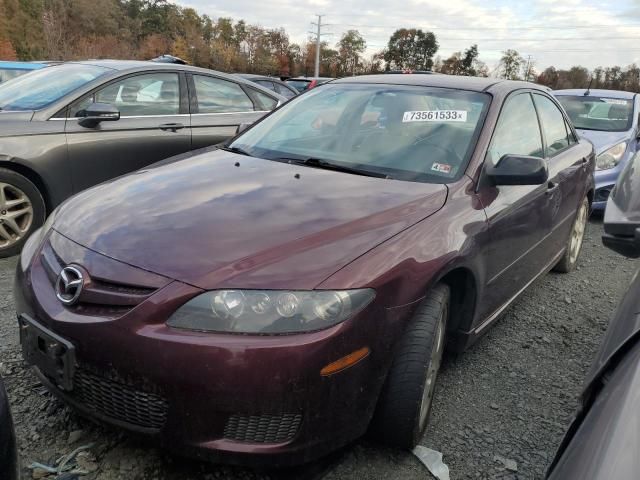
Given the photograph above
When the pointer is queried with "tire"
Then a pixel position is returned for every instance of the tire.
(22, 211)
(569, 259)
(403, 409)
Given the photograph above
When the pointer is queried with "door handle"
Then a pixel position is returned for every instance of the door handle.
(551, 187)
(172, 127)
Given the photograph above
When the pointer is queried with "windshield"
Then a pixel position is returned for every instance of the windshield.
(403, 132)
(598, 113)
(43, 87)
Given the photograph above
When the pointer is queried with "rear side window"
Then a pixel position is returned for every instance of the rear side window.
(518, 131)
(220, 96)
(554, 125)
(284, 91)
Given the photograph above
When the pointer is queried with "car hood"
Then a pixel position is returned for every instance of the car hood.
(221, 220)
(604, 140)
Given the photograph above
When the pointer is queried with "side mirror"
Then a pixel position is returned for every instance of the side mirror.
(518, 170)
(622, 213)
(242, 127)
(99, 112)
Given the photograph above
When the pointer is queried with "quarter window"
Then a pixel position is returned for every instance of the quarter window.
(268, 103)
(220, 96)
(518, 131)
(140, 95)
(554, 124)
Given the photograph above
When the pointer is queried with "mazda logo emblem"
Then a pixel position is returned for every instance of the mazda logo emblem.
(69, 285)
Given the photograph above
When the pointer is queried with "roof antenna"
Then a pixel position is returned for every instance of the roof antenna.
(588, 91)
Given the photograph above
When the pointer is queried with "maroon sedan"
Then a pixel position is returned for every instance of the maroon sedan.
(273, 299)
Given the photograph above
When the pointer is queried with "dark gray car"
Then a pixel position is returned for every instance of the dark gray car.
(71, 126)
(602, 442)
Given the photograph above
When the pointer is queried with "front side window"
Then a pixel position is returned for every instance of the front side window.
(46, 86)
(554, 125)
(137, 96)
(403, 132)
(267, 84)
(517, 131)
(220, 96)
(598, 113)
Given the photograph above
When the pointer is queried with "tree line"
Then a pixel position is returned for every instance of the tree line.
(143, 29)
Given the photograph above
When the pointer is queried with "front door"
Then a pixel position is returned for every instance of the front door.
(519, 216)
(568, 164)
(154, 124)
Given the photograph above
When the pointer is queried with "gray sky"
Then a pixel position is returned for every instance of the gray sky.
(571, 32)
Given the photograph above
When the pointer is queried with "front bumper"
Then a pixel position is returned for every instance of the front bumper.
(257, 400)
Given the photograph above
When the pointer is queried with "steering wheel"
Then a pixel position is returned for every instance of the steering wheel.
(448, 151)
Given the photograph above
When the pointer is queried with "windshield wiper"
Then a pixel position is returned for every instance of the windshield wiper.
(324, 164)
(238, 150)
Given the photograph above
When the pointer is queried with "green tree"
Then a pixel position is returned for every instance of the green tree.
(411, 49)
(510, 64)
(350, 47)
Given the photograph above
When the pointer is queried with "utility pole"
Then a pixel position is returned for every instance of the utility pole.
(318, 35)
(527, 71)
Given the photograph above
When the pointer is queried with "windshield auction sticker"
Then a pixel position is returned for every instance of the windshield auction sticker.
(435, 116)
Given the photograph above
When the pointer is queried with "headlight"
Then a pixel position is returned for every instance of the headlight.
(610, 158)
(35, 240)
(269, 311)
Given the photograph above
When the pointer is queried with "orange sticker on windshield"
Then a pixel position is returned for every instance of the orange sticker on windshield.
(441, 167)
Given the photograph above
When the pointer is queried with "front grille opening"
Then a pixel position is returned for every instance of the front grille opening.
(602, 194)
(119, 401)
(262, 428)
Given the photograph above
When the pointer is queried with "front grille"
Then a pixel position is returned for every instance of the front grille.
(100, 297)
(262, 428)
(120, 401)
(602, 194)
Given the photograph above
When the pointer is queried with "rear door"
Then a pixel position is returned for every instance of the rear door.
(219, 106)
(568, 170)
(154, 124)
(519, 216)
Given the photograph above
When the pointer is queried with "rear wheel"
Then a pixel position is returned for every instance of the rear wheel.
(405, 402)
(22, 210)
(569, 260)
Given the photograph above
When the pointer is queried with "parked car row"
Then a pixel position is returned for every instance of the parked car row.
(71, 126)
(269, 300)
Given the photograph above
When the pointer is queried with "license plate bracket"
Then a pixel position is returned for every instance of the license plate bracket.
(54, 356)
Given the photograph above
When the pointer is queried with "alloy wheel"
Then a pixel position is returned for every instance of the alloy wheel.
(577, 234)
(16, 215)
(432, 370)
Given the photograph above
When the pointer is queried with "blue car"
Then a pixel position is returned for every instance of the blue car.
(609, 119)
(9, 70)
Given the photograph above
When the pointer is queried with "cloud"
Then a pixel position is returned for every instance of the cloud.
(573, 32)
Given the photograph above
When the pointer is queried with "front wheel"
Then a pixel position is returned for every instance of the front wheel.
(405, 401)
(22, 210)
(569, 260)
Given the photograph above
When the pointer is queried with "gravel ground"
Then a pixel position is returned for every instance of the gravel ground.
(501, 406)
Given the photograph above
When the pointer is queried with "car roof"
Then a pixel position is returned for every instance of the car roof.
(596, 92)
(476, 84)
(141, 65)
(21, 65)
